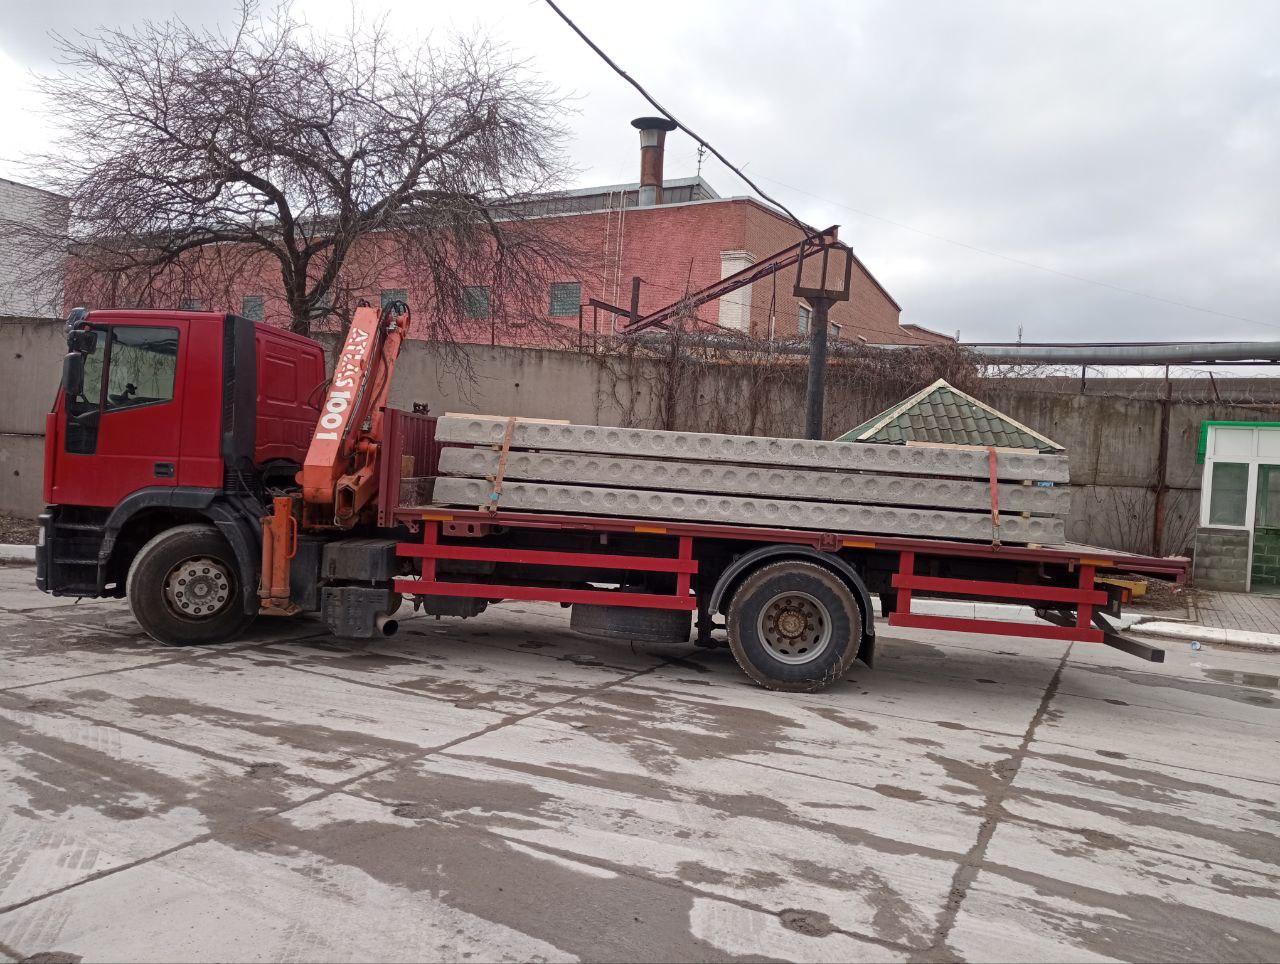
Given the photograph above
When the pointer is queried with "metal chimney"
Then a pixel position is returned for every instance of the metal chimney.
(653, 138)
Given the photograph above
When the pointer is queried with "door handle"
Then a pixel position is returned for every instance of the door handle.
(162, 470)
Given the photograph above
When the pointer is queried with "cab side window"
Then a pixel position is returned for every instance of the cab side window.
(91, 392)
(83, 409)
(140, 366)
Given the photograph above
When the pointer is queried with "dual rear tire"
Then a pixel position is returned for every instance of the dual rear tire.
(794, 626)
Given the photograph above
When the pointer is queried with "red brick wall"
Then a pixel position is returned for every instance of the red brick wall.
(677, 249)
(672, 249)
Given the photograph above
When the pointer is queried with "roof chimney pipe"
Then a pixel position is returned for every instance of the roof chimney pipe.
(653, 139)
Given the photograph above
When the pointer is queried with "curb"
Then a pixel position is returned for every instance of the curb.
(1212, 635)
(17, 553)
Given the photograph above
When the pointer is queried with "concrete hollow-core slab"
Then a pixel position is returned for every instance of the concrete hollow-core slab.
(781, 513)
(752, 450)
(745, 480)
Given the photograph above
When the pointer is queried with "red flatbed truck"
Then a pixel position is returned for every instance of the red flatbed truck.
(181, 470)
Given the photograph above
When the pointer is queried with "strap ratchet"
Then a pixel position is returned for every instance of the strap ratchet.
(995, 495)
(495, 481)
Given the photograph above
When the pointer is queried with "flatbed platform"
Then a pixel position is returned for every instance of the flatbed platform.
(475, 556)
(1172, 568)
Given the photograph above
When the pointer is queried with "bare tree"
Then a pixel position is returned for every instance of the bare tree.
(194, 159)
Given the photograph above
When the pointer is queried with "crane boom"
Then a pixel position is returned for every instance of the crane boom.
(338, 474)
(339, 477)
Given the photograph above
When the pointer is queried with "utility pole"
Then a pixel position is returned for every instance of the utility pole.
(816, 390)
(832, 286)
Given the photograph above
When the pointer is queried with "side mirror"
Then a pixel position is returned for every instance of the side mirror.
(73, 374)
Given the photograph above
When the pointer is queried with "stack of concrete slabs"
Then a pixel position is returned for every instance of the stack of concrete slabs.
(748, 480)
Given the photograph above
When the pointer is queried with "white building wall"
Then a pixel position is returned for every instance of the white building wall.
(735, 308)
(30, 284)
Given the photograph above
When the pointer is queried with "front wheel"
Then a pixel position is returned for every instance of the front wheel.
(184, 588)
(794, 626)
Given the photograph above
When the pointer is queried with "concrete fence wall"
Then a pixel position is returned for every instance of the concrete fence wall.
(1112, 430)
(31, 353)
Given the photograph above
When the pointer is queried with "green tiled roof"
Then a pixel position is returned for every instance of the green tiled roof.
(941, 413)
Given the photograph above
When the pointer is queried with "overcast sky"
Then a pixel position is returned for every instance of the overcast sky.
(1132, 144)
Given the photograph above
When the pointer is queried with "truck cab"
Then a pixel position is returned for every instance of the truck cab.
(165, 419)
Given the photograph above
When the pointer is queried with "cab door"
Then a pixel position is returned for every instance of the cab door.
(123, 432)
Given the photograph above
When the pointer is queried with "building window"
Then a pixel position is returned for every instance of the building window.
(836, 330)
(1228, 493)
(393, 294)
(566, 296)
(190, 304)
(251, 307)
(802, 320)
(321, 308)
(1267, 513)
(475, 301)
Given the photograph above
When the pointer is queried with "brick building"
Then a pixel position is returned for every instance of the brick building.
(677, 236)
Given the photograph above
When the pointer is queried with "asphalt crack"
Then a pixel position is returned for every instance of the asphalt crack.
(972, 862)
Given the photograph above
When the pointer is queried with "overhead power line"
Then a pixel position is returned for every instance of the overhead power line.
(702, 141)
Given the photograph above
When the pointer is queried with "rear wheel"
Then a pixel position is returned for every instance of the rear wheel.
(794, 626)
(184, 588)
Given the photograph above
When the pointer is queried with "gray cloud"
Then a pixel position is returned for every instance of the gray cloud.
(1132, 143)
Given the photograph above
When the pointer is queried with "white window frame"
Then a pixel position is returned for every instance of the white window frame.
(1252, 460)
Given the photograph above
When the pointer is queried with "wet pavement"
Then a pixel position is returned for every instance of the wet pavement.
(501, 789)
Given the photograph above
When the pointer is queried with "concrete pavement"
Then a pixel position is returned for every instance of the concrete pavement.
(501, 789)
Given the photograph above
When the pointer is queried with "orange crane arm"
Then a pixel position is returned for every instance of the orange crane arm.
(341, 465)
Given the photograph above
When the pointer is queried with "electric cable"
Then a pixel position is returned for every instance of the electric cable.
(808, 232)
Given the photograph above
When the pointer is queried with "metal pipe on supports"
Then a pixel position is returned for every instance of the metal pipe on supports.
(1136, 353)
(1151, 354)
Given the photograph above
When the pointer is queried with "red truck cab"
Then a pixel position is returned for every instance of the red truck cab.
(166, 417)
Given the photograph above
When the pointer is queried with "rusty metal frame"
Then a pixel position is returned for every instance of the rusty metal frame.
(794, 254)
(822, 291)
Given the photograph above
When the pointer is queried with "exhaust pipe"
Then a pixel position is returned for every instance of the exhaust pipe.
(653, 139)
(387, 625)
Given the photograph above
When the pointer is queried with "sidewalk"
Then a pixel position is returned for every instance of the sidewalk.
(1237, 610)
(1241, 619)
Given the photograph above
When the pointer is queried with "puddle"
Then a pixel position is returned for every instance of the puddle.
(1241, 678)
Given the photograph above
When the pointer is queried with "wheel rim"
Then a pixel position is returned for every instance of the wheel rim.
(794, 627)
(198, 588)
